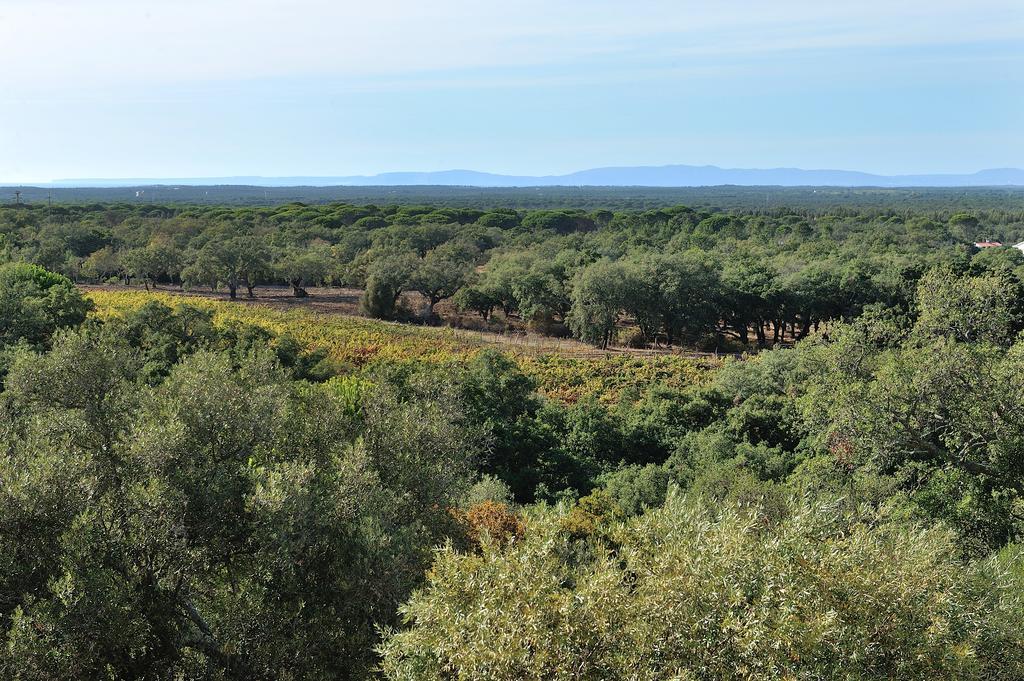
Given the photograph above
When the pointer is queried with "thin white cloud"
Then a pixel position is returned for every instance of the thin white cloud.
(87, 84)
(49, 44)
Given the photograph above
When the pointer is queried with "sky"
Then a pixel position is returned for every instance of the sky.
(214, 88)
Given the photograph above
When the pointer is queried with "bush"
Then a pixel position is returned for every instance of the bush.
(35, 302)
(694, 592)
(491, 521)
(487, 488)
(636, 488)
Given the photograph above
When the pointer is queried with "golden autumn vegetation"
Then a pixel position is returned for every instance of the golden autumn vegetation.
(357, 343)
(490, 521)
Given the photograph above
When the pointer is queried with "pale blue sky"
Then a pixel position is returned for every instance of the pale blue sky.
(135, 88)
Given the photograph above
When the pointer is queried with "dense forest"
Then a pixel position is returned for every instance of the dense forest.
(522, 198)
(667, 277)
(189, 496)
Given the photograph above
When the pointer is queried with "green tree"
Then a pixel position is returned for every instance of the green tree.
(752, 298)
(34, 303)
(943, 417)
(438, 275)
(498, 281)
(101, 264)
(475, 299)
(224, 523)
(234, 262)
(688, 591)
(599, 295)
(678, 293)
(151, 263)
(988, 307)
(387, 278)
(303, 267)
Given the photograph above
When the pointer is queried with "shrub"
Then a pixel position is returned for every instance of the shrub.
(491, 520)
(689, 591)
(35, 302)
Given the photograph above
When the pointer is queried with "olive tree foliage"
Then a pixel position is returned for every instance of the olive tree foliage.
(697, 590)
(225, 522)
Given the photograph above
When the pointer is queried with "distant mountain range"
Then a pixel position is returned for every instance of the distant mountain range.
(635, 176)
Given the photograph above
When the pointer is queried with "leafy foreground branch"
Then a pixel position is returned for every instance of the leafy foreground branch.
(688, 591)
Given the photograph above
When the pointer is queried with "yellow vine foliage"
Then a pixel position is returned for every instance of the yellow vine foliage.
(360, 343)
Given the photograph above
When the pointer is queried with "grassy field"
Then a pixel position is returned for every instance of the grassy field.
(358, 344)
